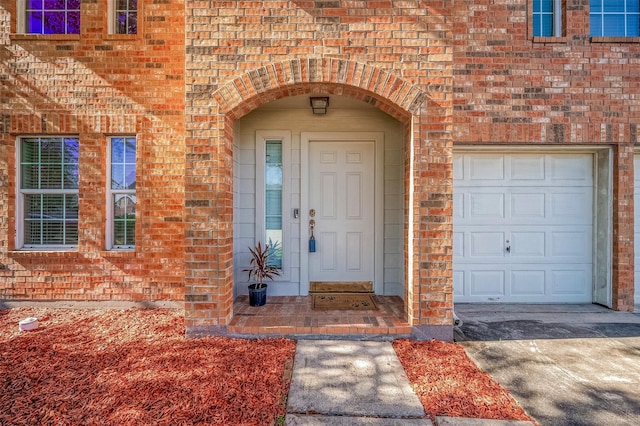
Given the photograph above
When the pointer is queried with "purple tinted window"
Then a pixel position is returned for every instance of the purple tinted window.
(53, 17)
(54, 4)
(126, 17)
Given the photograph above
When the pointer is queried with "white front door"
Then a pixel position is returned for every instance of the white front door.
(342, 193)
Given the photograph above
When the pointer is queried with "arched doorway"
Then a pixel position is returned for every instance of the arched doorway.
(426, 186)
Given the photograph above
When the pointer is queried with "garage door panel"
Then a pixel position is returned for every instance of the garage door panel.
(527, 244)
(570, 245)
(517, 206)
(525, 232)
(570, 282)
(458, 244)
(528, 205)
(567, 170)
(570, 169)
(487, 206)
(487, 167)
(522, 283)
(459, 277)
(527, 167)
(528, 282)
(486, 244)
(487, 283)
(565, 205)
(459, 206)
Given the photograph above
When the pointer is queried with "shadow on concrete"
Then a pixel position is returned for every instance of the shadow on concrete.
(535, 329)
(564, 364)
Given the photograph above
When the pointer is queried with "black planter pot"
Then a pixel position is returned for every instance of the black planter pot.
(257, 296)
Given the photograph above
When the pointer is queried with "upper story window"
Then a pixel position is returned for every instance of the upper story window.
(121, 191)
(123, 16)
(49, 16)
(48, 192)
(547, 18)
(615, 18)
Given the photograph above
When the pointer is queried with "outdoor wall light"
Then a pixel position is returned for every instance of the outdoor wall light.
(319, 105)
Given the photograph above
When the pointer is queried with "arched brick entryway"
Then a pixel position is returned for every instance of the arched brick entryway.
(428, 200)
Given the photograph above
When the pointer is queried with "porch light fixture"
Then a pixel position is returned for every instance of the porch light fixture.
(319, 105)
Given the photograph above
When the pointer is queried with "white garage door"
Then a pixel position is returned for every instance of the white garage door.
(636, 197)
(523, 228)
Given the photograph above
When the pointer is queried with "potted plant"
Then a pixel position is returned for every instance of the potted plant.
(261, 268)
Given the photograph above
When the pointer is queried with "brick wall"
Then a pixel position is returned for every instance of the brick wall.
(95, 85)
(510, 87)
(465, 72)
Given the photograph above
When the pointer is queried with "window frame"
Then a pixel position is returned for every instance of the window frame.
(21, 21)
(557, 16)
(111, 19)
(21, 193)
(284, 136)
(111, 193)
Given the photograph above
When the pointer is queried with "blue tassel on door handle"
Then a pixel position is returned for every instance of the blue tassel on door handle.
(312, 244)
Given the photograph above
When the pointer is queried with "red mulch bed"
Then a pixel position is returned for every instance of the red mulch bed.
(448, 383)
(135, 367)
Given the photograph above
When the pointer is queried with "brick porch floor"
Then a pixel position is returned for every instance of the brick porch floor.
(293, 316)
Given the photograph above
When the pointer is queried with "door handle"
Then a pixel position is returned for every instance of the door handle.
(508, 248)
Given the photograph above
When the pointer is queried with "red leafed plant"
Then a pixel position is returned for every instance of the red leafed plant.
(261, 266)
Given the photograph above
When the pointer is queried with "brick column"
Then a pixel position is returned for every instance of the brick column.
(623, 229)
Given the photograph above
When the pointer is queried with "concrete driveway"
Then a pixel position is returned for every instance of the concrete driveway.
(565, 364)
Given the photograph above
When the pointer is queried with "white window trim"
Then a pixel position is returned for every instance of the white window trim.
(262, 136)
(557, 18)
(110, 193)
(111, 16)
(21, 13)
(20, 193)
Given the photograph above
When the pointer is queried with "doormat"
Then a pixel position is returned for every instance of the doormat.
(344, 302)
(341, 287)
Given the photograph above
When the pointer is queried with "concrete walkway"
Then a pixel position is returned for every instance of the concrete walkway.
(340, 383)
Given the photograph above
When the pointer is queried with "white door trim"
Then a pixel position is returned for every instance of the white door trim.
(378, 139)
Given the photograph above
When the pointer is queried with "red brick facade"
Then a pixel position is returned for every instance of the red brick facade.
(453, 73)
(96, 85)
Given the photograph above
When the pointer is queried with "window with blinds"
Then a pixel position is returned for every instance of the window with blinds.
(49, 191)
(615, 18)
